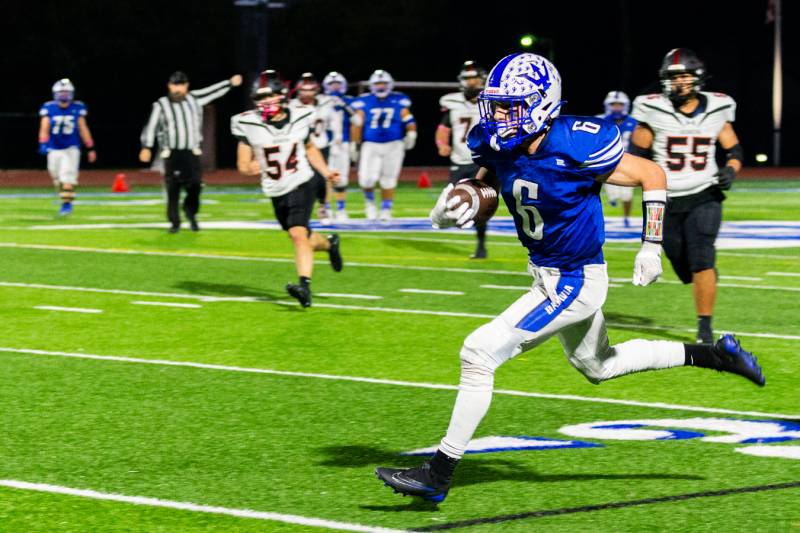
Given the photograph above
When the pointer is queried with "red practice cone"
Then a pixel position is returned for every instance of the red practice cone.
(120, 184)
(424, 182)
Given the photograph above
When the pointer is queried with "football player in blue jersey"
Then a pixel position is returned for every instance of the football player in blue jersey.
(617, 108)
(62, 127)
(550, 169)
(335, 85)
(386, 129)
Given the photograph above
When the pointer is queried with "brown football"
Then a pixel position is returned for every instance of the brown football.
(480, 196)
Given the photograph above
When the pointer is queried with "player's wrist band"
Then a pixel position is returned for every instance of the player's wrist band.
(654, 204)
(89, 145)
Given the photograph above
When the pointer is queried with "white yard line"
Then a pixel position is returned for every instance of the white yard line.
(256, 259)
(346, 295)
(785, 274)
(250, 299)
(349, 264)
(68, 309)
(168, 304)
(507, 287)
(193, 507)
(392, 382)
(741, 278)
(431, 291)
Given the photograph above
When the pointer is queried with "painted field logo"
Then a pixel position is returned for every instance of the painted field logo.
(758, 432)
(761, 436)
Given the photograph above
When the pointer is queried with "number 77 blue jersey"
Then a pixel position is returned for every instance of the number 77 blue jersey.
(553, 194)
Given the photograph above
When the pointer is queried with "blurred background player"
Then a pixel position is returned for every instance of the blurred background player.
(275, 142)
(307, 96)
(176, 122)
(460, 114)
(62, 127)
(335, 85)
(387, 128)
(617, 106)
(680, 128)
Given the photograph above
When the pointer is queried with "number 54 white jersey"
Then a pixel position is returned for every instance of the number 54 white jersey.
(280, 151)
(685, 146)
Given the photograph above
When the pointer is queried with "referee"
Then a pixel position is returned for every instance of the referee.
(176, 122)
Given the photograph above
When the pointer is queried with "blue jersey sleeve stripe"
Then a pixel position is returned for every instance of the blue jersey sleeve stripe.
(611, 161)
(611, 154)
(607, 147)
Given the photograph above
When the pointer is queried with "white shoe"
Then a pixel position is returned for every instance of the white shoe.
(386, 215)
(371, 211)
(341, 216)
(324, 215)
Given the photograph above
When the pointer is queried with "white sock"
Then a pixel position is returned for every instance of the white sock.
(639, 355)
(472, 402)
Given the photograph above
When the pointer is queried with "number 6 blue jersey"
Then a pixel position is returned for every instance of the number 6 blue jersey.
(553, 194)
(382, 120)
(63, 123)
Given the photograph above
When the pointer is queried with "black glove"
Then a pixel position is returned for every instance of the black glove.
(725, 177)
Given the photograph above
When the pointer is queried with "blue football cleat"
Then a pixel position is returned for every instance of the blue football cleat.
(419, 481)
(66, 209)
(737, 361)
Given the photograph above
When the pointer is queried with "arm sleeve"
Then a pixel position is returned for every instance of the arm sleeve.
(212, 92)
(237, 130)
(446, 120)
(149, 133)
(482, 154)
(83, 111)
(43, 112)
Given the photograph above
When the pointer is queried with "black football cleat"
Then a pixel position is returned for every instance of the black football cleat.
(736, 360)
(174, 229)
(334, 253)
(303, 294)
(419, 481)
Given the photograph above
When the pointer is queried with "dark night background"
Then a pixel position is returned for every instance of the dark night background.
(119, 54)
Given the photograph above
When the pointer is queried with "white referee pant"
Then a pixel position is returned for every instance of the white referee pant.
(63, 165)
(380, 163)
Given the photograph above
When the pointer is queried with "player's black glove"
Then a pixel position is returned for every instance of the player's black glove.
(725, 177)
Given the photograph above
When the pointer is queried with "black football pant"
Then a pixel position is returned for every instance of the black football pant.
(182, 171)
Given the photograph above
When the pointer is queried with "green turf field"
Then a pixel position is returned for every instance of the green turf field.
(267, 417)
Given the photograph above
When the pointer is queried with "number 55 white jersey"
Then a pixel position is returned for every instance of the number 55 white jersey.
(281, 151)
(685, 146)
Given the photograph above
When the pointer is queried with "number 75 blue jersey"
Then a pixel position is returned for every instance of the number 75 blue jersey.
(553, 194)
(63, 123)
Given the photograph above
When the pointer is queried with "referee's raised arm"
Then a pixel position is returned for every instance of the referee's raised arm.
(212, 92)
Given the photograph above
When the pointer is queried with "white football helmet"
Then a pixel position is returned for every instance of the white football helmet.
(617, 97)
(63, 90)
(334, 78)
(522, 96)
(381, 77)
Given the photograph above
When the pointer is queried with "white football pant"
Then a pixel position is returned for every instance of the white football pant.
(63, 165)
(380, 163)
(566, 304)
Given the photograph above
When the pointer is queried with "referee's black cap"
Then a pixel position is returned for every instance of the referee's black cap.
(178, 76)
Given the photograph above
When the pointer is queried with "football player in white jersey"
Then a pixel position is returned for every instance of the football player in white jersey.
(459, 114)
(308, 97)
(681, 127)
(276, 143)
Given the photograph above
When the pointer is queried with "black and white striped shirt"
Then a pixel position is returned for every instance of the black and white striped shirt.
(179, 125)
